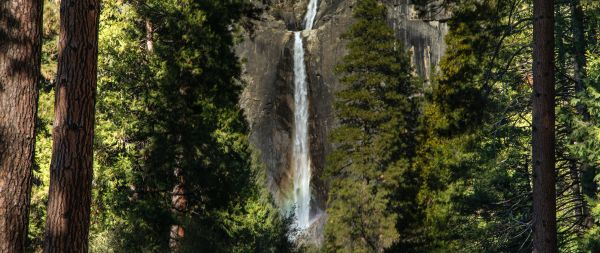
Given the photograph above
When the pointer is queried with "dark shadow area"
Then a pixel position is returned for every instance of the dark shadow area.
(7, 23)
(20, 51)
(11, 35)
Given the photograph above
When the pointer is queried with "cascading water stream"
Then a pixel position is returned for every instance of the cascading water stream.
(301, 148)
(301, 152)
(311, 13)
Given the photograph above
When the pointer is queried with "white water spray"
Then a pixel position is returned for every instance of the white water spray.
(301, 149)
(311, 13)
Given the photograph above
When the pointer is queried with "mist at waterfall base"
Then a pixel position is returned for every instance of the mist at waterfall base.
(301, 164)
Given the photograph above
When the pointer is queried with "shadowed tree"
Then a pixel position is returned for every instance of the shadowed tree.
(20, 54)
(544, 179)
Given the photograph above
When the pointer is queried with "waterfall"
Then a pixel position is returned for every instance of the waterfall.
(311, 13)
(301, 149)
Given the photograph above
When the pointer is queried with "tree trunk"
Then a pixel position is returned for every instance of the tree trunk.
(179, 205)
(579, 46)
(580, 211)
(544, 186)
(20, 54)
(149, 36)
(69, 199)
(179, 202)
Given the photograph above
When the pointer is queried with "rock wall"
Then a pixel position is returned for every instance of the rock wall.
(268, 71)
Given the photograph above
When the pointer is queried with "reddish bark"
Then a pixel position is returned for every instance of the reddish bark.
(67, 224)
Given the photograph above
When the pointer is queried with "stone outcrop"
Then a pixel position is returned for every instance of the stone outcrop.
(268, 66)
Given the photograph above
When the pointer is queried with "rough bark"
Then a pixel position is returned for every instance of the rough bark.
(69, 198)
(544, 178)
(20, 54)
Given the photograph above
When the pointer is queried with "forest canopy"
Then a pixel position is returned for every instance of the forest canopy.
(178, 125)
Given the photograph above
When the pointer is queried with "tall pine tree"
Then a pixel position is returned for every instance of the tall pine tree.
(369, 171)
(20, 54)
(69, 201)
(178, 112)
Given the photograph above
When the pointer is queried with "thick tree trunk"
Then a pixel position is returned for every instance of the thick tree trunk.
(20, 54)
(69, 199)
(544, 178)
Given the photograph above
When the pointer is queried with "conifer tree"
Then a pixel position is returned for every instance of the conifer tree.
(474, 140)
(368, 170)
(20, 54)
(178, 112)
(71, 172)
(544, 179)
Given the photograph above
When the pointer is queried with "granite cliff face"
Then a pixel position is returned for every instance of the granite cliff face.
(268, 98)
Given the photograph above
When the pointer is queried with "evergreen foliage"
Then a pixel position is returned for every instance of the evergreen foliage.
(369, 171)
(180, 116)
(477, 176)
(474, 142)
(443, 166)
(174, 107)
